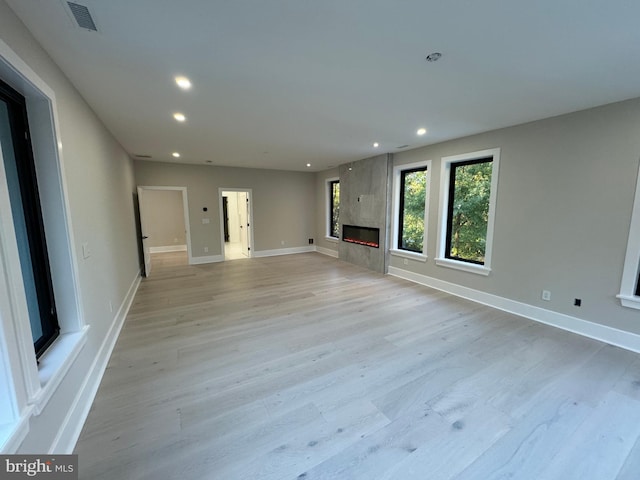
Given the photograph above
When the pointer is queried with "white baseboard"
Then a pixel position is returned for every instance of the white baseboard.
(67, 437)
(283, 251)
(207, 259)
(613, 336)
(327, 251)
(168, 248)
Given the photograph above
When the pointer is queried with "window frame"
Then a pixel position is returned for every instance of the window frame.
(398, 203)
(29, 385)
(445, 204)
(630, 284)
(32, 213)
(329, 214)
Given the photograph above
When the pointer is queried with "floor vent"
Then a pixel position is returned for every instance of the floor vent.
(82, 16)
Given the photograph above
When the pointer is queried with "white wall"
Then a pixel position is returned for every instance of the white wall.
(164, 217)
(97, 175)
(283, 203)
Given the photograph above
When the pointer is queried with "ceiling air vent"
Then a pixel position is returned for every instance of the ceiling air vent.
(82, 16)
(143, 156)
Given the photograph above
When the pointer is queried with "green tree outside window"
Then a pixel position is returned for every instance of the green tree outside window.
(468, 214)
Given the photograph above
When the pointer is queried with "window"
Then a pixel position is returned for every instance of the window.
(27, 218)
(630, 286)
(469, 184)
(411, 199)
(26, 386)
(333, 224)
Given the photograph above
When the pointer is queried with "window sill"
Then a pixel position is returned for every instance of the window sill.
(55, 364)
(629, 301)
(420, 257)
(332, 239)
(465, 267)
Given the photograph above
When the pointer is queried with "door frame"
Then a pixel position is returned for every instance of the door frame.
(185, 212)
(249, 193)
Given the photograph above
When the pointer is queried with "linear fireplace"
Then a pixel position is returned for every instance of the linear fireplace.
(361, 235)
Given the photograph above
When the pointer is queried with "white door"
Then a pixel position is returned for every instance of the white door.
(145, 242)
(243, 213)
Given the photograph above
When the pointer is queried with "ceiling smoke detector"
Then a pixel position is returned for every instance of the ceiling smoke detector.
(434, 57)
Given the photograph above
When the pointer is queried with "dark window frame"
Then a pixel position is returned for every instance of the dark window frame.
(450, 202)
(332, 207)
(27, 179)
(403, 174)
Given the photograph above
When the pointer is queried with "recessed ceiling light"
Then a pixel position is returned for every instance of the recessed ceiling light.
(434, 57)
(176, 154)
(179, 117)
(421, 131)
(308, 164)
(183, 82)
(376, 145)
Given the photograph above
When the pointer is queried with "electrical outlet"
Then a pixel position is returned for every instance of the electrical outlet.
(405, 261)
(577, 302)
(546, 295)
(281, 242)
(111, 306)
(206, 249)
(311, 241)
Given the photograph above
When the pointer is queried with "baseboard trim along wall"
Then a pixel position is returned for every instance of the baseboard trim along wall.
(71, 428)
(168, 248)
(613, 336)
(283, 251)
(327, 251)
(207, 259)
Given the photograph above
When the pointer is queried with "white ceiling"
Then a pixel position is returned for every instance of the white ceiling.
(282, 83)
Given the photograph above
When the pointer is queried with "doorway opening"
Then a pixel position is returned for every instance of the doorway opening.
(236, 221)
(164, 227)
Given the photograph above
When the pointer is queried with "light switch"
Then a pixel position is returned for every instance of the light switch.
(205, 221)
(86, 251)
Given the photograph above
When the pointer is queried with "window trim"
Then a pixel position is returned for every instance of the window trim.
(630, 282)
(445, 179)
(397, 204)
(329, 205)
(29, 386)
(32, 214)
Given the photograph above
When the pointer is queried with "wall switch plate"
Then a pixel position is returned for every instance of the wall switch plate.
(546, 295)
(86, 251)
(205, 221)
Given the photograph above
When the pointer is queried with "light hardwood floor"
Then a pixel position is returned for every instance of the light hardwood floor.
(304, 367)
